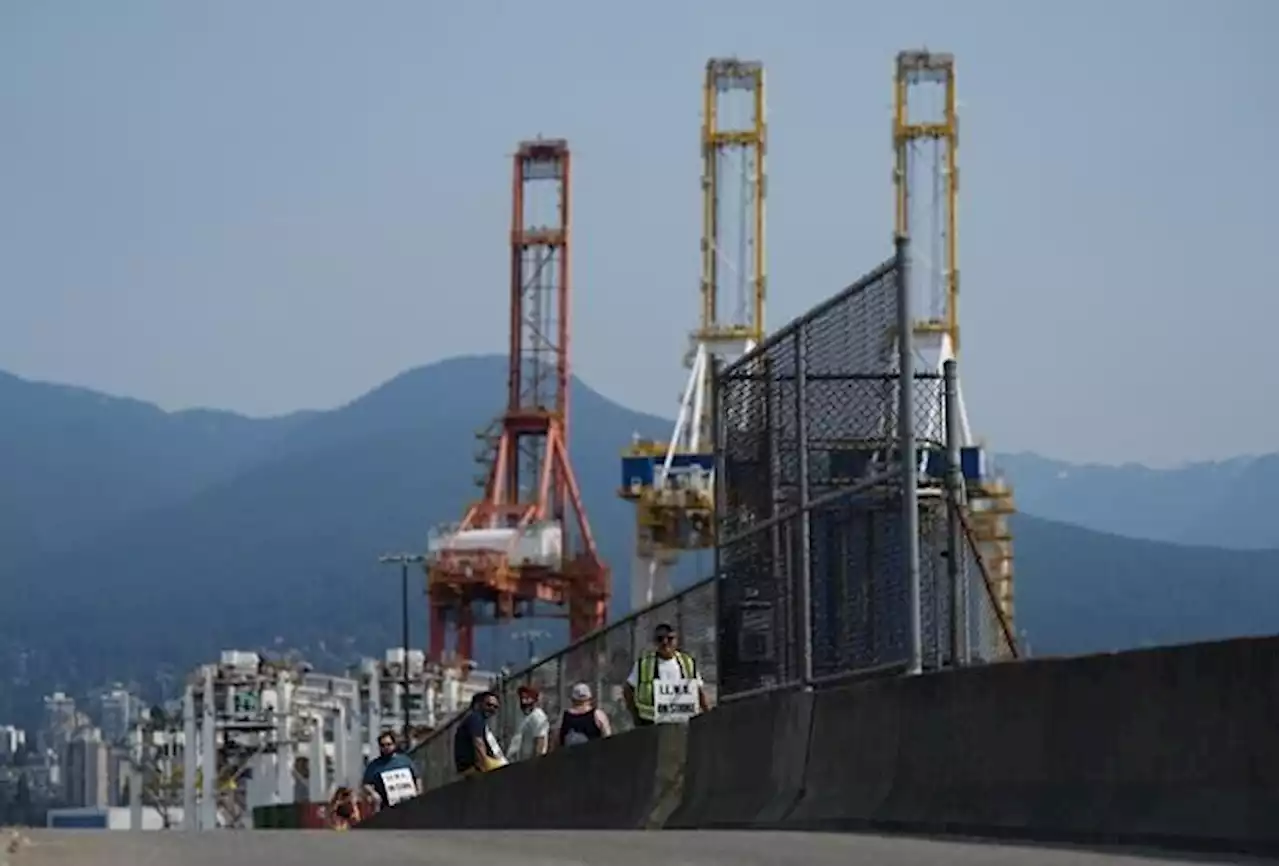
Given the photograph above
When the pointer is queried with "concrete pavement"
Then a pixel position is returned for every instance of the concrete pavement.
(543, 848)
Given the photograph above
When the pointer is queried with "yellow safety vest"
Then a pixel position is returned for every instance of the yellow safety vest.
(648, 672)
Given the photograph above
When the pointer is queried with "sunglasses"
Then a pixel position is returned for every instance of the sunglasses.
(665, 638)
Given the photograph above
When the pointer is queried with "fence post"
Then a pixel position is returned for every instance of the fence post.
(957, 577)
(782, 598)
(907, 448)
(718, 502)
(804, 561)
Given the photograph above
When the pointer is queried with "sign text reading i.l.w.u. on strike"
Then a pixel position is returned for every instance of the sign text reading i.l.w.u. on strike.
(675, 700)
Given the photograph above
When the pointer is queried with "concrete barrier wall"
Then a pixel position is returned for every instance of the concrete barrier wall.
(631, 781)
(746, 763)
(1173, 746)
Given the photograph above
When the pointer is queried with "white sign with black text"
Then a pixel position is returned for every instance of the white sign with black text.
(674, 701)
(399, 785)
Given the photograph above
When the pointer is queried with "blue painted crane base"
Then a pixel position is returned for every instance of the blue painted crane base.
(638, 473)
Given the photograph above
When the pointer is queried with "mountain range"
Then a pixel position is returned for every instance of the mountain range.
(138, 541)
(1230, 503)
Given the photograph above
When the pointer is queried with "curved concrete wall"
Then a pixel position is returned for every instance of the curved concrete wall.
(1173, 746)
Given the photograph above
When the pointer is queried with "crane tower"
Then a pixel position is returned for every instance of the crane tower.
(527, 543)
(927, 185)
(671, 483)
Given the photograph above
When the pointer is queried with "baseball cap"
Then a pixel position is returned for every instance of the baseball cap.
(580, 692)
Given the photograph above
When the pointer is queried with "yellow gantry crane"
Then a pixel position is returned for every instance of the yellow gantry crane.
(927, 185)
(672, 483)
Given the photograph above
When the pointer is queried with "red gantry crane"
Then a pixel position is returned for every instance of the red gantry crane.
(527, 544)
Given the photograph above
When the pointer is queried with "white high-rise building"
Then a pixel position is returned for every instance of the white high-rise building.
(59, 721)
(12, 740)
(118, 710)
(87, 770)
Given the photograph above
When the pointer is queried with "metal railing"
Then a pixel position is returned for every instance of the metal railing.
(602, 660)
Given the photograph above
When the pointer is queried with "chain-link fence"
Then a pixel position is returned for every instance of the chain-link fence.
(818, 578)
(601, 660)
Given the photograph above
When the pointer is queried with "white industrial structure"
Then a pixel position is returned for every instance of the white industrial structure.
(434, 694)
(538, 545)
(256, 732)
(251, 722)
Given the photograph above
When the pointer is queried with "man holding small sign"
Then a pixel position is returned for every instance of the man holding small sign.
(391, 777)
(664, 686)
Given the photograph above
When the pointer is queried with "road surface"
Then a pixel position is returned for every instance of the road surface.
(547, 848)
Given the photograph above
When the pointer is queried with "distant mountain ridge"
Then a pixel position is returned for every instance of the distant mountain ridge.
(1230, 503)
(196, 531)
(74, 462)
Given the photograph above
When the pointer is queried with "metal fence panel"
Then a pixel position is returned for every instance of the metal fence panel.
(810, 506)
(809, 498)
(859, 599)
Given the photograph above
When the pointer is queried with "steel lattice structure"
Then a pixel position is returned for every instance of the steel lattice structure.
(528, 540)
(672, 483)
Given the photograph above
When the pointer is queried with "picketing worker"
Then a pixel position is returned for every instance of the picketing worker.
(664, 685)
(391, 777)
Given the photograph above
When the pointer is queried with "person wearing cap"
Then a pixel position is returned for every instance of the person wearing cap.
(664, 685)
(530, 739)
(582, 722)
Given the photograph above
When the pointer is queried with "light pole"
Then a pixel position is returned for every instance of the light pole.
(531, 638)
(403, 560)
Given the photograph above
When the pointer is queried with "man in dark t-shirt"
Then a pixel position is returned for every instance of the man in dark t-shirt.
(391, 777)
(475, 748)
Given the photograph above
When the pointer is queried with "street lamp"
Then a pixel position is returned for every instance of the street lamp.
(403, 560)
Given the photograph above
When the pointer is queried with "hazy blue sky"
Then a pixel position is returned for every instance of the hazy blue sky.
(266, 205)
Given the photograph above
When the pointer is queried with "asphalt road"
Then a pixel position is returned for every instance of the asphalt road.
(549, 848)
